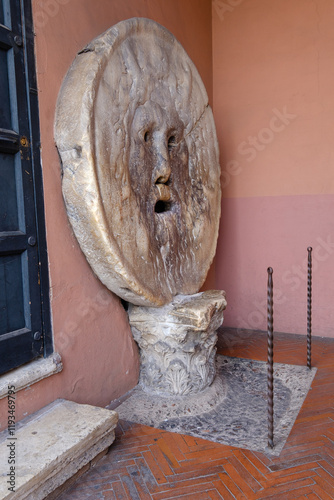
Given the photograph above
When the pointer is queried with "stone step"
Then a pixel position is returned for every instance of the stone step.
(49, 447)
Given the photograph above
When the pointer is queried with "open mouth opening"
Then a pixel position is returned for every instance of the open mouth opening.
(162, 206)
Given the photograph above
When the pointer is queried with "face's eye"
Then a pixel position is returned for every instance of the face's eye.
(171, 143)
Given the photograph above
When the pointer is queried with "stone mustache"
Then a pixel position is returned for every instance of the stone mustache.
(141, 184)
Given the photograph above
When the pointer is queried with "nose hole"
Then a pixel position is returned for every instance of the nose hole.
(162, 206)
(171, 143)
(146, 136)
(163, 180)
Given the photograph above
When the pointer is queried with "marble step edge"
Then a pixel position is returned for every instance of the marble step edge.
(49, 468)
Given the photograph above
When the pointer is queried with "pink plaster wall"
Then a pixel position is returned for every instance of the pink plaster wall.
(276, 231)
(273, 80)
(90, 326)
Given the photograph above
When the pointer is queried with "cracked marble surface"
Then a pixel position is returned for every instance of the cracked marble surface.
(233, 411)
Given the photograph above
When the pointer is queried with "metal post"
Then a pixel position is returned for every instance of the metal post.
(270, 377)
(309, 306)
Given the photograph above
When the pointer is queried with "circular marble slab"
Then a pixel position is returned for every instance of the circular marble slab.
(141, 175)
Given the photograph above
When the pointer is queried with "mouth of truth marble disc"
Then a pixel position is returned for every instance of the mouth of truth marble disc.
(139, 152)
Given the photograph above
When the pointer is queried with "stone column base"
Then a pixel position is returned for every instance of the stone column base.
(177, 342)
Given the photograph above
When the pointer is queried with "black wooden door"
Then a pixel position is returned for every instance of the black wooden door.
(21, 315)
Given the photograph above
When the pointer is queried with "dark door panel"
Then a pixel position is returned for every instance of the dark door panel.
(24, 305)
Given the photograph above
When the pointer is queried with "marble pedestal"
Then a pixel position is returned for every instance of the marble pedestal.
(177, 342)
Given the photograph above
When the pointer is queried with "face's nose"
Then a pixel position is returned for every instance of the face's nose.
(162, 167)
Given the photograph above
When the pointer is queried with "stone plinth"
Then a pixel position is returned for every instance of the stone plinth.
(177, 342)
(51, 446)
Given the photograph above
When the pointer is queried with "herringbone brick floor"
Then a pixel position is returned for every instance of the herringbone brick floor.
(147, 463)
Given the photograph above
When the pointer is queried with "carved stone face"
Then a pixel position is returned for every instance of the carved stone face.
(158, 168)
(158, 151)
(140, 158)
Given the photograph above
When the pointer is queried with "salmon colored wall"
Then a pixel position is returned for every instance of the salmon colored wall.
(273, 81)
(90, 326)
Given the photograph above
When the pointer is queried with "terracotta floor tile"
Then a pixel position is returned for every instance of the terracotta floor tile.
(222, 489)
(155, 468)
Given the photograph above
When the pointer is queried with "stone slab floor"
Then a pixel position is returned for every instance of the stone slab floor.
(148, 463)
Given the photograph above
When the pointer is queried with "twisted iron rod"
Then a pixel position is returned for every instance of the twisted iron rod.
(270, 376)
(309, 306)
